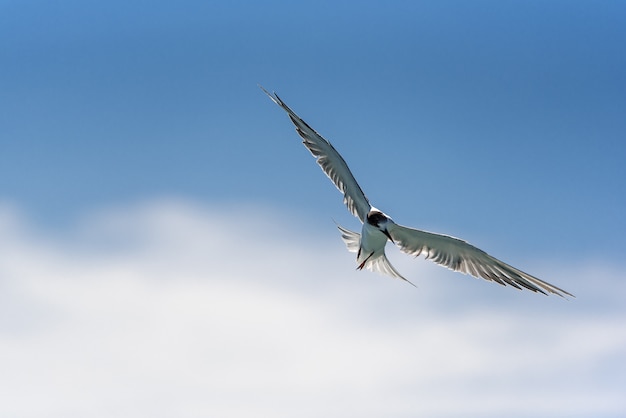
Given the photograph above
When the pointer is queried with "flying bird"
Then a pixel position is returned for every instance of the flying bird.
(378, 228)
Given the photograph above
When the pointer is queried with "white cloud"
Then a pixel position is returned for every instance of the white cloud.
(163, 310)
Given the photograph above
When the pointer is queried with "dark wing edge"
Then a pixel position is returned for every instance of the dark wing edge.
(331, 162)
(459, 255)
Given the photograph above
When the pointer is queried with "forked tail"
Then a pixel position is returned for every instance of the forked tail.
(379, 264)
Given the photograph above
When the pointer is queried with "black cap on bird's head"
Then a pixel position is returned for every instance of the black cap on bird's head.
(376, 217)
(379, 220)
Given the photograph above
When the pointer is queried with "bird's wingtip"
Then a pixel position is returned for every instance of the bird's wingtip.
(271, 95)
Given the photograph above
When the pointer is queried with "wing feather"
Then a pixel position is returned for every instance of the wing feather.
(459, 255)
(330, 161)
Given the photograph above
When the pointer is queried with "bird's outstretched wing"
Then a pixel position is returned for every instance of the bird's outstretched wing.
(331, 162)
(461, 256)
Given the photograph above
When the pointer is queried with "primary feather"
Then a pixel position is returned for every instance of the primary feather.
(331, 162)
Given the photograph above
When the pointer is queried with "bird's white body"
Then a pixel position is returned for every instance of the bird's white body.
(379, 228)
(372, 243)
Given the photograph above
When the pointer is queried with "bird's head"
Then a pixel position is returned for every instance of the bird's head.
(379, 220)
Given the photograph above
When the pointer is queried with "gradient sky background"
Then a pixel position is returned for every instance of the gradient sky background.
(137, 155)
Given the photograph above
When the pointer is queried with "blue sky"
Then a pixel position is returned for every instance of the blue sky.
(498, 122)
(490, 114)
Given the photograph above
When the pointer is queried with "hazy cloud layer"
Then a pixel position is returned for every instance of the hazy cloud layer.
(170, 309)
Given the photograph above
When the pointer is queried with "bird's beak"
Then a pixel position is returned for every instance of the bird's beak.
(384, 231)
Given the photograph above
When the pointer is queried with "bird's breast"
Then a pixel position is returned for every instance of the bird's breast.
(372, 240)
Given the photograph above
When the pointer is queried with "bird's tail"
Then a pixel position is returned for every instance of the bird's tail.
(352, 239)
(379, 264)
